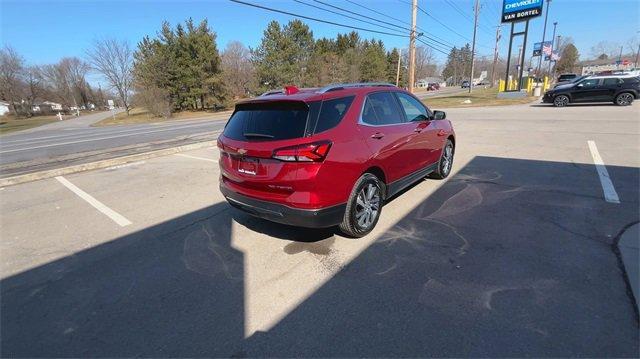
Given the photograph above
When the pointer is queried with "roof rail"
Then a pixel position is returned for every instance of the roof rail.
(272, 92)
(336, 87)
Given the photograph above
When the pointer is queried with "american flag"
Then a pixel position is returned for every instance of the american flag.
(546, 48)
(555, 56)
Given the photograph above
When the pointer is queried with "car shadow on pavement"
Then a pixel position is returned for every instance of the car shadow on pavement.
(550, 105)
(509, 257)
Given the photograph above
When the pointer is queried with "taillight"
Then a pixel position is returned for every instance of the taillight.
(309, 152)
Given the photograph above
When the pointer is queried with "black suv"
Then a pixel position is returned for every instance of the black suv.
(622, 90)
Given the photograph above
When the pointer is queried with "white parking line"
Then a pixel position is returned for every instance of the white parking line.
(197, 158)
(115, 216)
(610, 194)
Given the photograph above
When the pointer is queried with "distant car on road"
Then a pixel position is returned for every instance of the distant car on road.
(331, 156)
(622, 90)
(465, 84)
(433, 86)
(566, 77)
(575, 79)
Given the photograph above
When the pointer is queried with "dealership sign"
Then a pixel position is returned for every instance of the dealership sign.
(518, 10)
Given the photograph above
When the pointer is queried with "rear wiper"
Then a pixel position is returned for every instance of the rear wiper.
(261, 135)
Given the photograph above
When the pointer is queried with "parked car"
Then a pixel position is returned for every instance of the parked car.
(622, 90)
(433, 86)
(575, 79)
(465, 84)
(331, 156)
(566, 77)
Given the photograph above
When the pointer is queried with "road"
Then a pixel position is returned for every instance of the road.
(63, 143)
(510, 257)
(52, 142)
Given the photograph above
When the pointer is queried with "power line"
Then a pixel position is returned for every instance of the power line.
(347, 16)
(326, 21)
(364, 16)
(442, 42)
(449, 44)
(456, 8)
(315, 19)
(431, 46)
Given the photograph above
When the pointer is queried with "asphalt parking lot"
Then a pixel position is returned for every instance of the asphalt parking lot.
(511, 256)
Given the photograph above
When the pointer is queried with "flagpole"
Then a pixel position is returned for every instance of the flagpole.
(553, 39)
(544, 33)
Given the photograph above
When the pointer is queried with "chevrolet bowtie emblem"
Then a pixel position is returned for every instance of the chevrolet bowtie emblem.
(242, 151)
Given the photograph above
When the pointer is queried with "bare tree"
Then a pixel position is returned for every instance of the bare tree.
(425, 62)
(608, 48)
(114, 60)
(237, 68)
(11, 71)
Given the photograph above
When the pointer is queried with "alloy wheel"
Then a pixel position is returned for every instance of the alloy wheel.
(561, 101)
(367, 206)
(624, 99)
(447, 159)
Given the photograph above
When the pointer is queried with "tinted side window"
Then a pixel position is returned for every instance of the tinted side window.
(631, 80)
(590, 82)
(381, 109)
(412, 107)
(332, 112)
(612, 82)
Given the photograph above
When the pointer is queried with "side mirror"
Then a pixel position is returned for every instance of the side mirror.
(439, 115)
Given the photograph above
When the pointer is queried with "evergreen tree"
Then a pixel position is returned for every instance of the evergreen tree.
(568, 59)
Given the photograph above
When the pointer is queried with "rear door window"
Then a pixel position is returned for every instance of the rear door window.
(267, 121)
(612, 81)
(332, 112)
(380, 109)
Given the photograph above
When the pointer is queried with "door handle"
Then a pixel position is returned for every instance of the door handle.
(442, 133)
(377, 135)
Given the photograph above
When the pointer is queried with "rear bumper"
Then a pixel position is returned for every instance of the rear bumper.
(275, 212)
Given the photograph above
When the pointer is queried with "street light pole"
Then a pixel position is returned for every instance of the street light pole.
(544, 33)
(552, 46)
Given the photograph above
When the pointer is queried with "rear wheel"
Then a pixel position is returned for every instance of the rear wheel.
(363, 207)
(624, 99)
(445, 163)
(561, 101)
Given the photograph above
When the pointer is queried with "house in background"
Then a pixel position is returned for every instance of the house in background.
(54, 106)
(4, 108)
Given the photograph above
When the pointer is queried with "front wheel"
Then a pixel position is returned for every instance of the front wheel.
(445, 163)
(363, 207)
(561, 101)
(624, 99)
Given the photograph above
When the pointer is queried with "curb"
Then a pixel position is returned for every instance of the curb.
(628, 252)
(35, 176)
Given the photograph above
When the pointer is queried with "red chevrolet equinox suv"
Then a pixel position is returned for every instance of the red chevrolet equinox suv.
(330, 156)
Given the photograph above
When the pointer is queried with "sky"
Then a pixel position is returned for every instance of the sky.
(45, 31)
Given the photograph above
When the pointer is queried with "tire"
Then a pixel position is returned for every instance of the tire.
(561, 101)
(362, 213)
(445, 163)
(624, 99)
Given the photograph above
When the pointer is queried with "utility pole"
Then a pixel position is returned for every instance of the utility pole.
(473, 47)
(637, 56)
(412, 45)
(398, 70)
(553, 47)
(544, 33)
(495, 56)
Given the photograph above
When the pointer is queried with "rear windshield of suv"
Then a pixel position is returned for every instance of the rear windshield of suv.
(267, 121)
